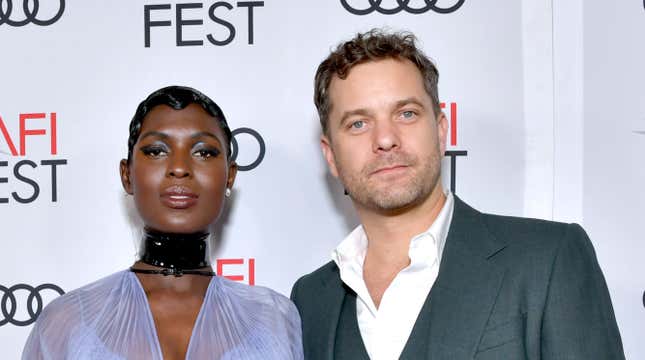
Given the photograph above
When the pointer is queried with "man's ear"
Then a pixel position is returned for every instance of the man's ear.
(124, 170)
(325, 145)
(442, 132)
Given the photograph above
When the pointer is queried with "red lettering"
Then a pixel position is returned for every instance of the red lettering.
(24, 132)
(251, 271)
(453, 121)
(52, 129)
(220, 263)
(453, 124)
(220, 268)
(7, 138)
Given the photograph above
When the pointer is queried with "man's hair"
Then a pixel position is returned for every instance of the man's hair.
(373, 45)
(178, 98)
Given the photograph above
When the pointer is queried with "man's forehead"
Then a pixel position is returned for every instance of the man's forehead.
(394, 80)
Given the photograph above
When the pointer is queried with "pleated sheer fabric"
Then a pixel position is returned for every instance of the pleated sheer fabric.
(110, 319)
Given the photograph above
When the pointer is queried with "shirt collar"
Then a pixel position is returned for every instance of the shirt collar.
(349, 255)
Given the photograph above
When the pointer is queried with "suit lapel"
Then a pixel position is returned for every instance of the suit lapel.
(464, 293)
(331, 301)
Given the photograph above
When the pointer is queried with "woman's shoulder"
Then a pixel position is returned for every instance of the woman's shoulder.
(68, 317)
(74, 305)
(255, 295)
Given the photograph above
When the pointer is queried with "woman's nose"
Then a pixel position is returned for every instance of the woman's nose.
(179, 166)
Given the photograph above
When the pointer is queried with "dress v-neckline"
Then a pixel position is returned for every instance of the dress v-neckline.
(151, 319)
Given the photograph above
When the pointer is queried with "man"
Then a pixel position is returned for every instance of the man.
(425, 276)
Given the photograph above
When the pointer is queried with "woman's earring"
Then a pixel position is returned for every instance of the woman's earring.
(227, 193)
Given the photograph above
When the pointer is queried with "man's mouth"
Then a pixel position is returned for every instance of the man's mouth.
(390, 169)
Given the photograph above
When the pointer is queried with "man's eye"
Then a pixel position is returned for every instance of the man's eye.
(358, 124)
(408, 114)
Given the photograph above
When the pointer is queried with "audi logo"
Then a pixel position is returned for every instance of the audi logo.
(401, 5)
(9, 304)
(30, 8)
(235, 148)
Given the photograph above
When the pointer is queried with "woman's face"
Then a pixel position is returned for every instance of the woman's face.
(178, 172)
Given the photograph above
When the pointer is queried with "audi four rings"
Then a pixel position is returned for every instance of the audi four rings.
(234, 148)
(31, 13)
(403, 5)
(9, 304)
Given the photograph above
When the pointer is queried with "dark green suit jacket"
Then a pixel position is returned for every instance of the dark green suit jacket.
(508, 288)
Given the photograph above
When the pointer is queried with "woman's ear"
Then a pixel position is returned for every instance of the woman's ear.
(124, 169)
(232, 172)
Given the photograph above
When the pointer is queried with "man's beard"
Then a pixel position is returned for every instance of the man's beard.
(371, 193)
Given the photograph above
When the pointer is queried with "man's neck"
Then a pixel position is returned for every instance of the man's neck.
(389, 234)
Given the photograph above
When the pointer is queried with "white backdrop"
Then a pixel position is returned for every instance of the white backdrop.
(513, 71)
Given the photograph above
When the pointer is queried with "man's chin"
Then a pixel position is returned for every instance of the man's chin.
(393, 202)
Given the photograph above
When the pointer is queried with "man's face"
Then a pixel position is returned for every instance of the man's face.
(384, 141)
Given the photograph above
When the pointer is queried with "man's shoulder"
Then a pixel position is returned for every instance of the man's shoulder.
(521, 236)
(529, 237)
(323, 282)
(514, 226)
(320, 276)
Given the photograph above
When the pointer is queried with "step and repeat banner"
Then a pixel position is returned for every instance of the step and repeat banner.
(614, 156)
(74, 72)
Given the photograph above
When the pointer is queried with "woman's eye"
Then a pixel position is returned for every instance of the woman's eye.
(153, 151)
(207, 153)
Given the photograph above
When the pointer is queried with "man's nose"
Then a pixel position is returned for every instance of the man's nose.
(386, 136)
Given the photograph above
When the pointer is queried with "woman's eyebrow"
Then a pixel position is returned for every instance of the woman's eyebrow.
(155, 134)
(205, 133)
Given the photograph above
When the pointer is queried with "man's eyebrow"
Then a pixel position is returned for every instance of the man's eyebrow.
(411, 100)
(347, 114)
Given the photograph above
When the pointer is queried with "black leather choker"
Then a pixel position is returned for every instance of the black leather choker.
(177, 254)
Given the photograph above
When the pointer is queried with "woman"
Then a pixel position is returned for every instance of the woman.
(169, 304)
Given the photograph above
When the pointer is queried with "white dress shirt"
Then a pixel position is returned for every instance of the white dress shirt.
(386, 330)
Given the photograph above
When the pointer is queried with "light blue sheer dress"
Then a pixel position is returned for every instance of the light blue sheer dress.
(110, 319)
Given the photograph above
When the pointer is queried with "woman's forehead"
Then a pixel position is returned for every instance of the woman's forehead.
(192, 117)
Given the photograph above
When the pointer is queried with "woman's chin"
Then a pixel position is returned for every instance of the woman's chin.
(178, 228)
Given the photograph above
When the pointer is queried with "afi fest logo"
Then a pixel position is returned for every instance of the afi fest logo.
(416, 7)
(26, 173)
(21, 304)
(219, 31)
(452, 142)
(21, 13)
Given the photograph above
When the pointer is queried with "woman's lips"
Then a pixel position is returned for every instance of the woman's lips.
(179, 197)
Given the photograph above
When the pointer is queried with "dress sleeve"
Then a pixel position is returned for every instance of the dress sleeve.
(294, 331)
(50, 337)
(33, 349)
